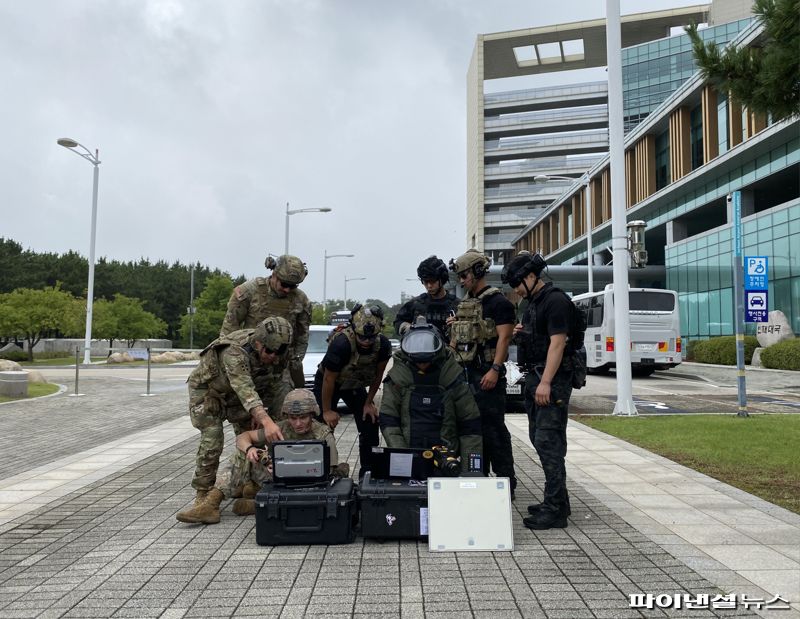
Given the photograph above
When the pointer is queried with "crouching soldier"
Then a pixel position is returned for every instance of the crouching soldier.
(426, 400)
(299, 409)
(222, 388)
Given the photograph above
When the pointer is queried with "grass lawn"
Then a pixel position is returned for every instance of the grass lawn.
(55, 361)
(758, 454)
(35, 390)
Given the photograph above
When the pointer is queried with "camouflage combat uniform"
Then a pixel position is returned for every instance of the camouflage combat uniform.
(255, 300)
(221, 388)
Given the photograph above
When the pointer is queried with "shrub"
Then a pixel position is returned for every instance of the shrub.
(689, 349)
(784, 355)
(722, 350)
(14, 355)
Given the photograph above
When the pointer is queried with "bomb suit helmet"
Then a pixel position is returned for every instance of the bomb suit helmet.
(422, 341)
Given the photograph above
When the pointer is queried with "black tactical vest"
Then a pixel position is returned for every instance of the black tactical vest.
(435, 311)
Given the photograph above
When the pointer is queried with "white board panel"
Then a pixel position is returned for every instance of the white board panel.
(469, 513)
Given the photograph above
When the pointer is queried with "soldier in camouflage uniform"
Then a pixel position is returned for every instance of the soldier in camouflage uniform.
(480, 334)
(222, 388)
(353, 364)
(544, 335)
(277, 295)
(426, 401)
(299, 409)
(435, 304)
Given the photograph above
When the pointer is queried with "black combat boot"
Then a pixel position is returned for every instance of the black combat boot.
(547, 518)
(534, 509)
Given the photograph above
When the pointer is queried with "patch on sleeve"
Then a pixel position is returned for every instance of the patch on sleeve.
(239, 292)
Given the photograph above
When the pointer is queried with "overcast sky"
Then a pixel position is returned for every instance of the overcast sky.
(211, 116)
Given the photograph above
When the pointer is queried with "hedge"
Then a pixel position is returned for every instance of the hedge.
(722, 350)
(785, 355)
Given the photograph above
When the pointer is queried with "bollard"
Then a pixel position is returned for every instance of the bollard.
(148, 374)
(77, 367)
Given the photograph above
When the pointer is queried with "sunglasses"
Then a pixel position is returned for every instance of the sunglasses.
(463, 275)
(280, 350)
(366, 338)
(287, 285)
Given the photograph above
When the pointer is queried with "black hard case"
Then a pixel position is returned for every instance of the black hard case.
(308, 515)
(390, 508)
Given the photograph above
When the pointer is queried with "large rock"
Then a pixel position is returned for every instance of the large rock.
(119, 357)
(9, 366)
(777, 329)
(34, 376)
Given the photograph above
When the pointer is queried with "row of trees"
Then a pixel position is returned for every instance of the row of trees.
(164, 289)
(29, 315)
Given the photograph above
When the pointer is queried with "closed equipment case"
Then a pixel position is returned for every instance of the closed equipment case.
(307, 515)
(393, 508)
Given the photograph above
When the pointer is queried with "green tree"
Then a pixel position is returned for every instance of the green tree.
(764, 76)
(31, 314)
(210, 309)
(124, 318)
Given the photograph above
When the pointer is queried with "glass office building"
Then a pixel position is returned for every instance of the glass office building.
(651, 72)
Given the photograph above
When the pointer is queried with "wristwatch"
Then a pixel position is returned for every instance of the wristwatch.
(497, 367)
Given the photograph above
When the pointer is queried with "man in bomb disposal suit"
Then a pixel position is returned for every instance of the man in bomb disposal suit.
(299, 409)
(548, 337)
(435, 304)
(222, 388)
(426, 401)
(355, 362)
(480, 334)
(278, 295)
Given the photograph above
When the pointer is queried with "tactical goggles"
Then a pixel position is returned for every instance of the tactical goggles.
(281, 349)
(287, 285)
(367, 338)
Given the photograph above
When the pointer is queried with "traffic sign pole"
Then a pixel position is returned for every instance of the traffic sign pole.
(738, 293)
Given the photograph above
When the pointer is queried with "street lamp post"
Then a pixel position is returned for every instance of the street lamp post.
(325, 275)
(585, 182)
(349, 279)
(94, 159)
(295, 212)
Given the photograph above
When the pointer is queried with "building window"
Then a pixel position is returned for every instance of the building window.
(662, 160)
(696, 119)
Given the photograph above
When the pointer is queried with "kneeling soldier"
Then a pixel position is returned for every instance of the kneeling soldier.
(426, 400)
(300, 409)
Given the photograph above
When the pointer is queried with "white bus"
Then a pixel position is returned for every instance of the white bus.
(655, 329)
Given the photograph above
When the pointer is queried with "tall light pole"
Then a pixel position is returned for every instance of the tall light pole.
(325, 275)
(94, 159)
(295, 212)
(588, 201)
(349, 279)
(619, 237)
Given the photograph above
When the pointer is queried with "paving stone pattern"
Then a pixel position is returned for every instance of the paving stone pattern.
(114, 549)
(65, 425)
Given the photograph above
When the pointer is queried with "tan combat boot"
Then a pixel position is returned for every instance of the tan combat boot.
(250, 490)
(244, 507)
(204, 512)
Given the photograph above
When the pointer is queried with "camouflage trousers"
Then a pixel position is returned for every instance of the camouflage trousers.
(547, 428)
(497, 453)
(237, 471)
(207, 415)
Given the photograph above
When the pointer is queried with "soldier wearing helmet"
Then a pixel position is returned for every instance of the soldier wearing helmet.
(435, 304)
(299, 409)
(544, 336)
(352, 370)
(426, 400)
(480, 334)
(223, 387)
(278, 295)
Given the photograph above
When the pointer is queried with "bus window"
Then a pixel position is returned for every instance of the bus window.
(595, 318)
(651, 301)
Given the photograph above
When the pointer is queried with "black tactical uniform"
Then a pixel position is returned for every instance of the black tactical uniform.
(549, 313)
(435, 311)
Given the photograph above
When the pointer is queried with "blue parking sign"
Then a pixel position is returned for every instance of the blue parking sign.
(756, 272)
(755, 306)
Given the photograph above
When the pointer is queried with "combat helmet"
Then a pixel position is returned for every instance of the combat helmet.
(432, 268)
(366, 321)
(520, 266)
(289, 269)
(471, 260)
(300, 402)
(274, 333)
(422, 341)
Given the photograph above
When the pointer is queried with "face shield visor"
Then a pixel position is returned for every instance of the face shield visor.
(421, 344)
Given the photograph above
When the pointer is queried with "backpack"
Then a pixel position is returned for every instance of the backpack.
(575, 354)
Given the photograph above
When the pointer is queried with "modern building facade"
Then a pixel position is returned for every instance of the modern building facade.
(681, 162)
(512, 137)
